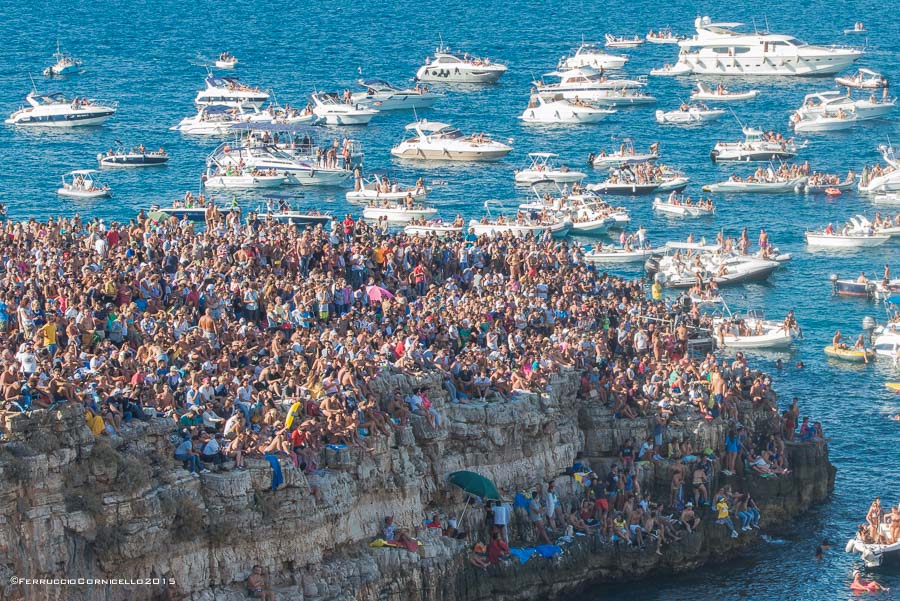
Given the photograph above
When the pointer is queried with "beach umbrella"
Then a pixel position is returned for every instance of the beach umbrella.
(377, 293)
(475, 484)
(157, 216)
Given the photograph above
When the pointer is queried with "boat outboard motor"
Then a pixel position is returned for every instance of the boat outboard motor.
(868, 326)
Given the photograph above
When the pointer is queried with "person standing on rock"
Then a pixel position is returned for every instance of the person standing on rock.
(536, 515)
(502, 513)
(258, 585)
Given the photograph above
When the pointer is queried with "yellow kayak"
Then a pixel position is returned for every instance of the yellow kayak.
(895, 386)
(849, 354)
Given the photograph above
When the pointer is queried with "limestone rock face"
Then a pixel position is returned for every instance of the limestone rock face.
(75, 507)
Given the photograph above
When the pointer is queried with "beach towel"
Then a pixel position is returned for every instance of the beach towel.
(277, 477)
(521, 500)
(522, 555)
(548, 550)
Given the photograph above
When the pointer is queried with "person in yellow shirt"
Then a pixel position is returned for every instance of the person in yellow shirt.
(722, 516)
(48, 332)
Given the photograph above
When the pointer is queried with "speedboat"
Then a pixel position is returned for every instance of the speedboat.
(214, 120)
(584, 83)
(886, 339)
(876, 555)
(609, 254)
(831, 102)
(230, 92)
(680, 208)
(776, 185)
(663, 36)
(686, 264)
(136, 157)
(721, 94)
(626, 155)
(717, 49)
(83, 184)
(240, 179)
(374, 188)
(620, 41)
(751, 331)
(226, 60)
(848, 239)
(555, 109)
(693, 114)
(330, 108)
(55, 110)
(435, 141)
(283, 212)
(398, 212)
(670, 70)
(887, 181)
(382, 96)
(439, 228)
(859, 288)
(588, 213)
(542, 167)
(65, 64)
(755, 147)
(864, 79)
(592, 55)
(624, 182)
(520, 225)
(857, 28)
(825, 184)
(838, 120)
(851, 355)
(448, 67)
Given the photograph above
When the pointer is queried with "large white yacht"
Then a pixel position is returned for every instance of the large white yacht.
(449, 67)
(333, 111)
(584, 83)
(55, 110)
(717, 49)
(231, 92)
(554, 108)
(383, 96)
(829, 102)
(442, 142)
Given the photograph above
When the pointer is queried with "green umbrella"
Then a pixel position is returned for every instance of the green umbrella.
(157, 216)
(475, 484)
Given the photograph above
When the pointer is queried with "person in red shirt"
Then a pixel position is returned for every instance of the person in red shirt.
(498, 549)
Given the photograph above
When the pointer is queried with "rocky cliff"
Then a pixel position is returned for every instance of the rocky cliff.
(74, 507)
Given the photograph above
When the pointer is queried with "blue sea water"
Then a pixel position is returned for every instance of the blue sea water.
(144, 55)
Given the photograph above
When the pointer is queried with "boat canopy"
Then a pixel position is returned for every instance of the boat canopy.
(691, 246)
(543, 155)
(586, 71)
(429, 126)
(51, 98)
(218, 82)
(865, 71)
(82, 172)
(376, 83)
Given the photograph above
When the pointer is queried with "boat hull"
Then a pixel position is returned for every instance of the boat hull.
(398, 215)
(767, 67)
(754, 187)
(434, 154)
(454, 74)
(83, 194)
(826, 241)
(849, 355)
(244, 182)
(138, 160)
(736, 97)
(439, 231)
(718, 156)
(61, 120)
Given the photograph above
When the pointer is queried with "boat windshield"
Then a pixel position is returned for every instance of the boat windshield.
(448, 132)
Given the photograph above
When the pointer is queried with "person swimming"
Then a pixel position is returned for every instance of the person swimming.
(860, 584)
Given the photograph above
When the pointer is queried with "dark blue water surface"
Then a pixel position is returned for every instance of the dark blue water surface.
(145, 56)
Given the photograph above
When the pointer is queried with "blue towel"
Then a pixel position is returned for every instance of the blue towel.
(336, 447)
(521, 500)
(522, 555)
(548, 550)
(277, 477)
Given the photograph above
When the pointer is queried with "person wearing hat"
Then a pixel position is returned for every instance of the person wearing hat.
(689, 519)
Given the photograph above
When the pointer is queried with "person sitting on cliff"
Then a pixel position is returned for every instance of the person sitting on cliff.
(498, 550)
(392, 534)
(699, 481)
(722, 516)
(258, 585)
(478, 556)
(689, 519)
(536, 516)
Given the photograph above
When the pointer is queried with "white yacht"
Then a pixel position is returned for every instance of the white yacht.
(886, 339)
(836, 120)
(226, 60)
(689, 114)
(680, 207)
(382, 96)
(55, 110)
(626, 155)
(333, 111)
(398, 212)
(584, 83)
(554, 108)
(450, 67)
(434, 141)
(377, 187)
(831, 101)
(239, 179)
(231, 92)
(755, 147)
(888, 181)
(621, 41)
(855, 239)
(543, 167)
(83, 183)
(766, 185)
(65, 64)
(215, 119)
(592, 55)
(751, 331)
(663, 36)
(717, 49)
(295, 170)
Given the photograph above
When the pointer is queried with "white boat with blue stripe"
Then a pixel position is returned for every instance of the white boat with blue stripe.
(55, 110)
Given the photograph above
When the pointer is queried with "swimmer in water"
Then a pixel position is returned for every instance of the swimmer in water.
(800, 365)
(860, 584)
(820, 550)
(896, 418)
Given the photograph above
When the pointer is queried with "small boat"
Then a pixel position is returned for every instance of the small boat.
(55, 110)
(192, 212)
(721, 94)
(877, 555)
(520, 225)
(592, 55)
(819, 187)
(852, 288)
(679, 68)
(439, 228)
(833, 102)
(555, 109)
(237, 179)
(585, 83)
(886, 339)
(283, 212)
(622, 98)
(82, 184)
(863, 79)
(229, 91)
(609, 254)
(542, 167)
(373, 188)
(755, 147)
(626, 155)
(447, 66)
(398, 212)
(776, 186)
(435, 141)
(136, 157)
(226, 60)
(613, 41)
(382, 96)
(663, 36)
(333, 111)
(758, 332)
(693, 114)
(824, 239)
(65, 64)
(674, 206)
(849, 354)
(823, 122)
(857, 28)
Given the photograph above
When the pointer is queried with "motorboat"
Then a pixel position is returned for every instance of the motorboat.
(622, 98)
(136, 157)
(831, 102)
(237, 179)
(755, 147)
(626, 155)
(55, 110)
(398, 212)
(686, 264)
(683, 208)
(663, 36)
(555, 109)
(181, 210)
(434, 141)
(624, 182)
(520, 225)
(447, 66)
(611, 254)
(382, 96)
(886, 339)
(850, 355)
(822, 184)
(589, 214)
(83, 184)
(584, 83)
(751, 331)
(592, 55)
(620, 41)
(672, 70)
(65, 64)
(888, 198)
(775, 185)
(864, 79)
(717, 49)
(689, 114)
(303, 144)
(226, 60)
(861, 287)
(279, 209)
(375, 188)
(887, 181)
(721, 94)
(845, 239)
(542, 166)
(859, 224)
(213, 120)
(230, 92)
(435, 227)
(333, 111)
(876, 555)
(823, 122)
(857, 28)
